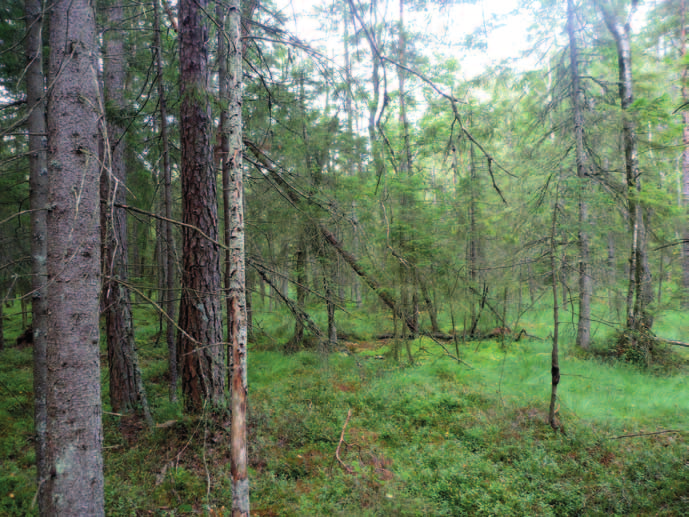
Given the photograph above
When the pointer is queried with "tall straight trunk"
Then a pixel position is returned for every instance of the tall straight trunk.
(126, 386)
(230, 81)
(349, 108)
(555, 354)
(38, 182)
(408, 296)
(685, 160)
(169, 251)
(353, 147)
(374, 141)
(474, 243)
(585, 281)
(406, 160)
(74, 432)
(200, 341)
(640, 292)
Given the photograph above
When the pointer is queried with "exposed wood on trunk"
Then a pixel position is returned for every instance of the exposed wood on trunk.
(230, 78)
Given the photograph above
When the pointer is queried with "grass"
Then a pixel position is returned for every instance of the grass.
(433, 438)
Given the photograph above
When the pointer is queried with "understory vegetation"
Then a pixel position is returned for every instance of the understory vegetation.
(436, 437)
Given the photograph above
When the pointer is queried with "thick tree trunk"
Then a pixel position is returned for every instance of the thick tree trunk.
(126, 386)
(74, 433)
(200, 344)
(38, 182)
(585, 281)
(640, 293)
(169, 247)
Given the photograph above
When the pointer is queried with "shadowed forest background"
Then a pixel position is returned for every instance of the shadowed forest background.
(338, 271)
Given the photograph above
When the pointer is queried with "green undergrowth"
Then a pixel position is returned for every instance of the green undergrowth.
(436, 437)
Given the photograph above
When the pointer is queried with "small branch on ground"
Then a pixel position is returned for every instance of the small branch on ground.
(347, 468)
(636, 435)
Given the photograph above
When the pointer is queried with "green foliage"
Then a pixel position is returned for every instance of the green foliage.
(437, 438)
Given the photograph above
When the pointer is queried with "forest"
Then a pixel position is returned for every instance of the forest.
(310, 258)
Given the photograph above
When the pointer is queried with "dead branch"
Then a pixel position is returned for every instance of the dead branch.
(347, 468)
(636, 435)
(672, 342)
(447, 352)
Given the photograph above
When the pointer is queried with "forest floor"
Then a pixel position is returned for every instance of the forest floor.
(364, 433)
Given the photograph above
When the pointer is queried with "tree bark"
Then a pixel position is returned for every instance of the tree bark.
(126, 385)
(685, 160)
(555, 355)
(640, 292)
(200, 345)
(230, 79)
(300, 267)
(585, 281)
(74, 485)
(374, 141)
(169, 247)
(38, 184)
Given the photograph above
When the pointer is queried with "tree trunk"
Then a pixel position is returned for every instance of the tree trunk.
(297, 339)
(408, 296)
(406, 161)
(200, 341)
(126, 386)
(474, 252)
(74, 433)
(374, 106)
(169, 248)
(230, 80)
(38, 181)
(585, 281)
(640, 293)
(555, 358)
(685, 161)
(330, 309)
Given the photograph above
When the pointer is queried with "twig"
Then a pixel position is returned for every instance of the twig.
(447, 352)
(646, 434)
(173, 221)
(347, 468)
